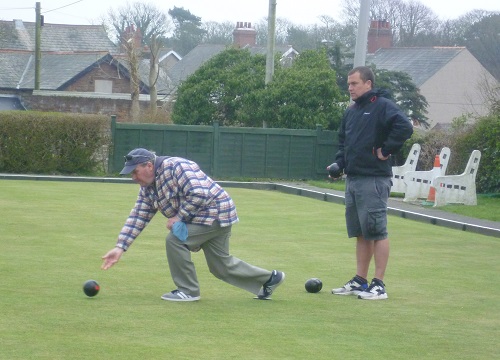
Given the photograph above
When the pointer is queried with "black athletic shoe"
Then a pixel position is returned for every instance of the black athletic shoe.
(277, 277)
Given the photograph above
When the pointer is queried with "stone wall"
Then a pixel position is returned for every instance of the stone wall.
(83, 102)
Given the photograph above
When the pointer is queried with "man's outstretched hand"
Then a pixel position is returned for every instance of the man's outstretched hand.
(111, 257)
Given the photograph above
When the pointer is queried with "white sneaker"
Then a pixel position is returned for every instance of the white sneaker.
(352, 287)
(376, 291)
(176, 295)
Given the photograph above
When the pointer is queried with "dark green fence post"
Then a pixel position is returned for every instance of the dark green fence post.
(215, 150)
(111, 149)
(319, 130)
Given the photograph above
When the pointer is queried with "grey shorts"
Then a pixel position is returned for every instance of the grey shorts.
(366, 206)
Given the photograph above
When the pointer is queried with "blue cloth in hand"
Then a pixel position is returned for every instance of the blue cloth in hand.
(180, 230)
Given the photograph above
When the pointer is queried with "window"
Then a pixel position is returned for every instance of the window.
(104, 86)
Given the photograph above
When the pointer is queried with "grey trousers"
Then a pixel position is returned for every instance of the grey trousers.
(214, 241)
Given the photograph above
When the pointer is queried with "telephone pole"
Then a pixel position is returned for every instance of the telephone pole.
(271, 35)
(38, 56)
(362, 37)
(271, 40)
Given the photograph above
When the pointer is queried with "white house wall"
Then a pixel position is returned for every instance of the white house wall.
(453, 91)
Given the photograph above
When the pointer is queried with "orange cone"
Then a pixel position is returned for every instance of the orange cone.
(432, 191)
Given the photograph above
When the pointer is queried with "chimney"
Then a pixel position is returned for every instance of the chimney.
(132, 37)
(244, 34)
(379, 36)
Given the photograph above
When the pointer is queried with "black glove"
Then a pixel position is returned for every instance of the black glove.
(334, 171)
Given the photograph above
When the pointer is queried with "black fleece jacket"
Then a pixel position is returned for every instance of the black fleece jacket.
(372, 122)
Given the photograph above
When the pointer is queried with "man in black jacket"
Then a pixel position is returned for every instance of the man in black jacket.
(372, 129)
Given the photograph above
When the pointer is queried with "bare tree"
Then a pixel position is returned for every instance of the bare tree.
(327, 21)
(408, 19)
(151, 21)
(489, 97)
(331, 30)
(282, 26)
(154, 71)
(133, 50)
(350, 12)
(150, 25)
(415, 18)
(218, 33)
(389, 10)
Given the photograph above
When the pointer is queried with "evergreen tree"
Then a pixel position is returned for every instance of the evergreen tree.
(230, 89)
(188, 31)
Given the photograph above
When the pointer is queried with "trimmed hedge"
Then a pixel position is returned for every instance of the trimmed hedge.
(53, 143)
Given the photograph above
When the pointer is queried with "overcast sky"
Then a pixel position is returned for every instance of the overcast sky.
(84, 12)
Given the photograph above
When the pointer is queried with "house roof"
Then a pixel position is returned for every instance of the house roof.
(421, 63)
(14, 65)
(59, 70)
(193, 60)
(67, 53)
(20, 36)
(164, 53)
(55, 69)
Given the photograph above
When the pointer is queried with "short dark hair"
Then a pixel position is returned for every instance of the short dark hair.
(365, 73)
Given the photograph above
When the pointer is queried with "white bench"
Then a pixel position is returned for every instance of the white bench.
(458, 189)
(418, 183)
(398, 172)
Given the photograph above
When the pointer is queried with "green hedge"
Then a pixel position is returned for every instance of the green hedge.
(483, 135)
(53, 143)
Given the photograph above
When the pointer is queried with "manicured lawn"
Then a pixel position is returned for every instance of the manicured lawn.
(442, 304)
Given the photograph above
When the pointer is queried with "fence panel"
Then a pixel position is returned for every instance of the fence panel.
(228, 152)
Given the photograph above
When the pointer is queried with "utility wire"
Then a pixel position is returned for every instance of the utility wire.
(30, 8)
(22, 8)
(62, 7)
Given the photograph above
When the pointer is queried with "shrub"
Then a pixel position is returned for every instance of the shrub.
(431, 143)
(52, 143)
(484, 136)
(462, 139)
